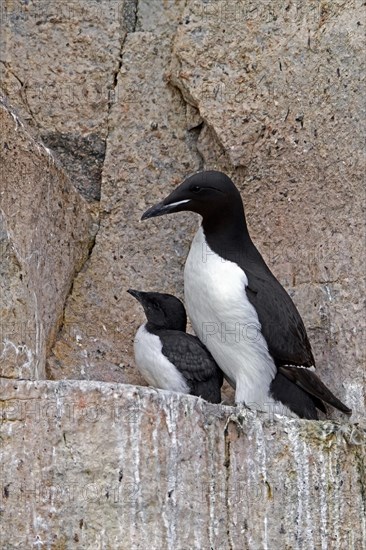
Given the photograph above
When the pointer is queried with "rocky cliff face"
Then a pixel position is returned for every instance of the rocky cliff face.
(119, 467)
(107, 106)
(44, 239)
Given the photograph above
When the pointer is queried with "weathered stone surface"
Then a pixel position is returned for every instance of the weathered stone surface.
(280, 88)
(148, 149)
(274, 79)
(44, 239)
(58, 66)
(110, 466)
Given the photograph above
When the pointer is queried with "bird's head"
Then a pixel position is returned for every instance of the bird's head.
(208, 193)
(162, 310)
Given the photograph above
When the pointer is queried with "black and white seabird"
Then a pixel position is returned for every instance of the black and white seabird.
(167, 356)
(238, 308)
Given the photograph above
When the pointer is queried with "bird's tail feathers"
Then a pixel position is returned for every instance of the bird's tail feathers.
(311, 383)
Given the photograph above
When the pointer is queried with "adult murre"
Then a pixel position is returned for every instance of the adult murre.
(238, 308)
(167, 356)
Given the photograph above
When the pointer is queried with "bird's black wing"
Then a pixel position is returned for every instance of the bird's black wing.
(286, 337)
(282, 326)
(195, 363)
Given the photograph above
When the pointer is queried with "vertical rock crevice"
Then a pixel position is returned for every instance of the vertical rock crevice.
(127, 24)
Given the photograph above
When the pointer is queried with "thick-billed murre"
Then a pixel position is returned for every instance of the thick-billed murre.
(167, 356)
(238, 308)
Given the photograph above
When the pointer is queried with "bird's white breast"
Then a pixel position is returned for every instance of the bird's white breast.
(156, 369)
(227, 323)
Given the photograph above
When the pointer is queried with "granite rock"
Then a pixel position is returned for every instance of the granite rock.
(127, 467)
(44, 239)
(58, 66)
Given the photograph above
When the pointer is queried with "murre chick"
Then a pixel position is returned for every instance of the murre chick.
(167, 356)
(238, 308)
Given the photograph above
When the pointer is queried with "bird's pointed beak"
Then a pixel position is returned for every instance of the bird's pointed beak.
(172, 203)
(136, 294)
(157, 210)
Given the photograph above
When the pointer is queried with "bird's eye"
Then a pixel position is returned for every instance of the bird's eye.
(195, 188)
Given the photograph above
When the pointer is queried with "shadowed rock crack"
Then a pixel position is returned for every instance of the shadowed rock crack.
(128, 26)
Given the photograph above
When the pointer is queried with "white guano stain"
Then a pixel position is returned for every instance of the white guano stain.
(262, 460)
(301, 463)
(170, 508)
(39, 336)
(135, 497)
(323, 503)
(155, 535)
